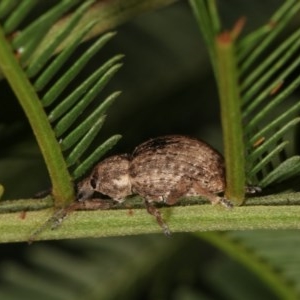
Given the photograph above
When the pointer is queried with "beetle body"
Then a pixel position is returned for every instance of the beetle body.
(156, 169)
(167, 168)
(162, 169)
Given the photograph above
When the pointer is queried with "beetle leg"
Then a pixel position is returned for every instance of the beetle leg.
(92, 204)
(181, 189)
(58, 217)
(213, 198)
(186, 185)
(152, 210)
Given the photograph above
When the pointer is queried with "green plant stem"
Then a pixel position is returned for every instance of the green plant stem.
(20, 205)
(239, 253)
(15, 228)
(32, 204)
(227, 78)
(62, 187)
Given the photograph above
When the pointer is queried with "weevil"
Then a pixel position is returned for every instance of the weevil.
(162, 169)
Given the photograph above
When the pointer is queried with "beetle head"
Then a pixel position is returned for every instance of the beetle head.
(85, 189)
(110, 177)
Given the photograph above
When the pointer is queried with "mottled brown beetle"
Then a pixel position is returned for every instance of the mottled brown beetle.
(163, 169)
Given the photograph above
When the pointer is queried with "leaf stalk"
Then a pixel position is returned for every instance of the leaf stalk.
(231, 117)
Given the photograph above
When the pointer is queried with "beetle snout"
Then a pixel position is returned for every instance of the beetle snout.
(84, 191)
(83, 194)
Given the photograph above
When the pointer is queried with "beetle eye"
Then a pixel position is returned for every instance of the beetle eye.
(93, 183)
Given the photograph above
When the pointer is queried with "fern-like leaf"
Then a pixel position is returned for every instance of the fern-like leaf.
(30, 37)
(263, 90)
(263, 84)
(41, 68)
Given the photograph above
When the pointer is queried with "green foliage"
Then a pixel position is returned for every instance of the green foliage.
(264, 89)
(262, 85)
(42, 69)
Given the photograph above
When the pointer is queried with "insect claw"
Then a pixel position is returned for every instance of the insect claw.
(57, 222)
(251, 189)
(226, 203)
(166, 230)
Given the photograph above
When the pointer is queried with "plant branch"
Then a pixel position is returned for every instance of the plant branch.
(62, 187)
(22, 205)
(118, 222)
